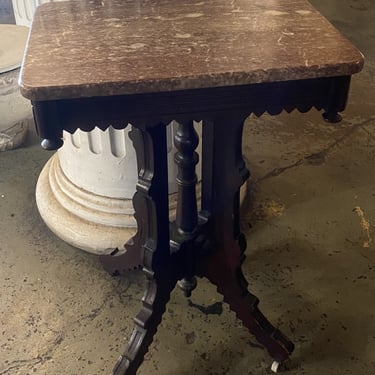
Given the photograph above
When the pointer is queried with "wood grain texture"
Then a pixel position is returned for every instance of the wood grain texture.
(99, 48)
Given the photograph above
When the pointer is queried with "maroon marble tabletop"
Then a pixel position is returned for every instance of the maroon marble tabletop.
(100, 47)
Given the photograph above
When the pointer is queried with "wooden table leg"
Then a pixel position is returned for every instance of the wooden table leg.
(214, 249)
(151, 206)
(224, 172)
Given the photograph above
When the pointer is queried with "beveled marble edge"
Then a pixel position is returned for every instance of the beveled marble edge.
(188, 83)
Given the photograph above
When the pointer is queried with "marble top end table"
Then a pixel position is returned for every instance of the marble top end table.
(148, 62)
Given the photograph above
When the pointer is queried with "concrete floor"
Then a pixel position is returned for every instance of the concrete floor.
(309, 257)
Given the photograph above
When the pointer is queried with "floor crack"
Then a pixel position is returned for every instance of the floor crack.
(21, 363)
(95, 312)
(17, 364)
(319, 157)
(41, 358)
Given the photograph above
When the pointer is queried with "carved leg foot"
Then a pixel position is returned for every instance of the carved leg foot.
(119, 262)
(332, 117)
(146, 323)
(233, 286)
(275, 366)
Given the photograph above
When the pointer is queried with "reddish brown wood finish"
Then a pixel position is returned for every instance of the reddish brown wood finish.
(206, 243)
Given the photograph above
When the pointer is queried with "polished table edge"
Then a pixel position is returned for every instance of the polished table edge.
(138, 87)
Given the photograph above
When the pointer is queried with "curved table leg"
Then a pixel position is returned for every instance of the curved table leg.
(223, 162)
(231, 283)
(146, 323)
(151, 207)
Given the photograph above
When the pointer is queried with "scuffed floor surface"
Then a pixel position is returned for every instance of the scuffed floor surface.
(310, 256)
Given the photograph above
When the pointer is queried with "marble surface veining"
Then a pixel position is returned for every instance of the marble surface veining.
(86, 48)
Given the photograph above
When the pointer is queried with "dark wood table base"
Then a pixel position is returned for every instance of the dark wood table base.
(205, 242)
